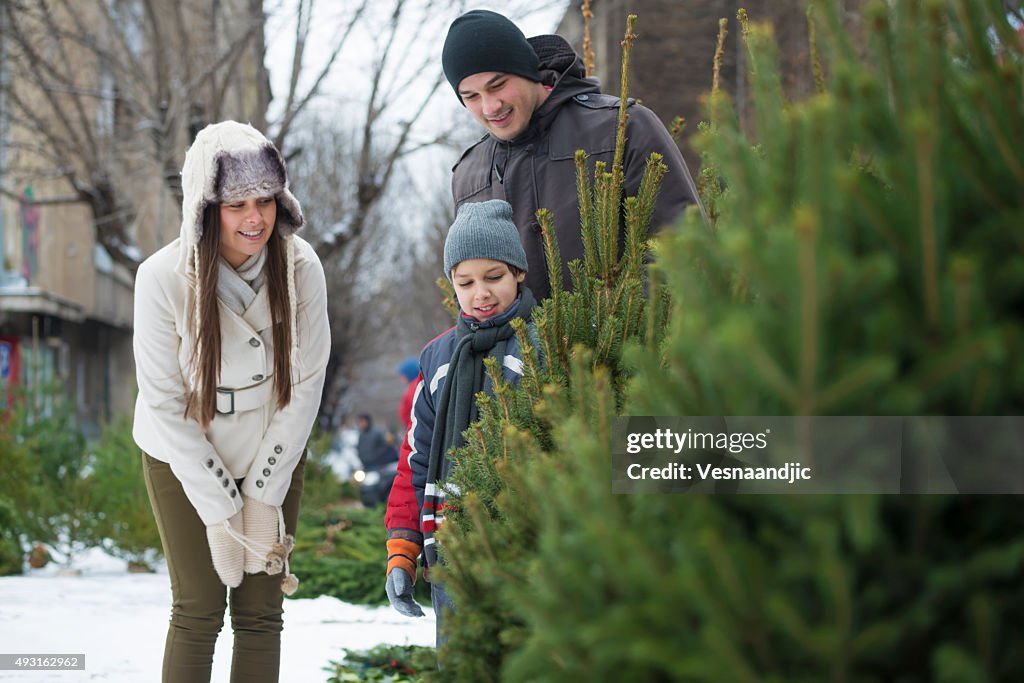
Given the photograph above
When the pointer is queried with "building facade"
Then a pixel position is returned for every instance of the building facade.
(93, 131)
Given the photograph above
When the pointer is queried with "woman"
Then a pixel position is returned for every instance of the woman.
(231, 346)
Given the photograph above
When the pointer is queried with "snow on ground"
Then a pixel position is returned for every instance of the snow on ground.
(119, 621)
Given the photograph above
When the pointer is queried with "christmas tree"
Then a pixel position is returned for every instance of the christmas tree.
(867, 258)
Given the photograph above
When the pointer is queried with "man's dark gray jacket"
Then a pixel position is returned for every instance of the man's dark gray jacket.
(538, 169)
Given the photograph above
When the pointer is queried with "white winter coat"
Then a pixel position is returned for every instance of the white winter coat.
(261, 445)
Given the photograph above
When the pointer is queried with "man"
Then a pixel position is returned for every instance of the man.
(377, 456)
(538, 107)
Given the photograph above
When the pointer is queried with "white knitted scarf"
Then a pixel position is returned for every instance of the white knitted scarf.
(238, 288)
(247, 266)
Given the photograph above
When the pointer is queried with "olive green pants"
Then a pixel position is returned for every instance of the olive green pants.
(199, 598)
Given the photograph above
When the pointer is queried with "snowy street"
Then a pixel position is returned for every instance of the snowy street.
(119, 621)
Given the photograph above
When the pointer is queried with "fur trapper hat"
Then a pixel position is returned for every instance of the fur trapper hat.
(229, 161)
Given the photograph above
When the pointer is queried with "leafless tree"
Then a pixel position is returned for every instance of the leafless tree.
(98, 92)
(104, 93)
(388, 126)
(402, 81)
(347, 161)
(296, 101)
(380, 240)
(382, 299)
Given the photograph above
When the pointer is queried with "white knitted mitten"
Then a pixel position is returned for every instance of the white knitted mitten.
(227, 553)
(262, 526)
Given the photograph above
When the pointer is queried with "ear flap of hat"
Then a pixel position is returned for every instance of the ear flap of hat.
(289, 213)
(198, 187)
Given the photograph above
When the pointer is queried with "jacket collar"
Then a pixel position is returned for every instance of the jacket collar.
(256, 318)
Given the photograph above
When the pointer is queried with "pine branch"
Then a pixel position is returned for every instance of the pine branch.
(723, 23)
(530, 382)
(610, 230)
(596, 269)
(627, 48)
(812, 38)
(924, 150)
(448, 296)
(554, 262)
(807, 224)
(586, 203)
(588, 47)
(677, 127)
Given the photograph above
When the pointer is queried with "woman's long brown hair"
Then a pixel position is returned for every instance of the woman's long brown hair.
(201, 402)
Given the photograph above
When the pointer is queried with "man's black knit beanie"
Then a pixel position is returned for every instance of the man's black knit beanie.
(481, 41)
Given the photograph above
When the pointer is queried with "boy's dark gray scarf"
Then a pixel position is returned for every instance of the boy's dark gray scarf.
(456, 406)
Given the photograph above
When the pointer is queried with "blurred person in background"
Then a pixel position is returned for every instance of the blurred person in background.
(379, 459)
(409, 369)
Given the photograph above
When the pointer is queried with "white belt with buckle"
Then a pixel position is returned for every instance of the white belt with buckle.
(231, 401)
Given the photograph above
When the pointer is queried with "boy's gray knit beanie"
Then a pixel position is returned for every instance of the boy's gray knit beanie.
(484, 230)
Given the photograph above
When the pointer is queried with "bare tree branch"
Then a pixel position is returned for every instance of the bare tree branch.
(292, 109)
(181, 28)
(84, 124)
(124, 62)
(160, 65)
(229, 56)
(35, 63)
(106, 95)
(301, 32)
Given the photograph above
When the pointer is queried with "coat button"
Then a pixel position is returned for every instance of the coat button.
(224, 483)
(234, 492)
(219, 471)
(257, 378)
(266, 471)
(278, 449)
(259, 483)
(254, 342)
(209, 463)
(272, 460)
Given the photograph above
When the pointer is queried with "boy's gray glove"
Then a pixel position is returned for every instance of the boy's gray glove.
(399, 590)
(227, 553)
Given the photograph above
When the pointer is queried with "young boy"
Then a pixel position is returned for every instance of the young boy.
(485, 261)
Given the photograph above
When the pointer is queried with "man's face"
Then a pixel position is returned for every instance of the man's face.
(502, 103)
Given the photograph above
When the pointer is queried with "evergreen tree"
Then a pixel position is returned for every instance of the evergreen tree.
(17, 471)
(48, 466)
(124, 517)
(866, 259)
